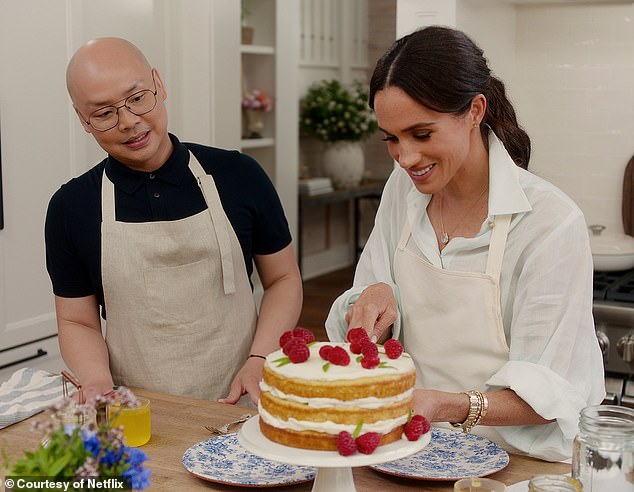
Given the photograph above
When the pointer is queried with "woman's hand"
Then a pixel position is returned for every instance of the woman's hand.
(376, 310)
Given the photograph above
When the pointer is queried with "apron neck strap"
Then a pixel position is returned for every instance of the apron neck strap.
(501, 226)
(220, 222)
(107, 199)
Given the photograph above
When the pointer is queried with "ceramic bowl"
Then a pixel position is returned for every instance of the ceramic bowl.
(612, 251)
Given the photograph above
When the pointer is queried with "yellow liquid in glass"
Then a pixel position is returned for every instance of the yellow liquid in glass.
(135, 421)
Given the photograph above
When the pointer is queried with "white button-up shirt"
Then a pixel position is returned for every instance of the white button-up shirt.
(555, 363)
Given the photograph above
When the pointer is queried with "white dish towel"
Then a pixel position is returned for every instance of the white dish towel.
(27, 392)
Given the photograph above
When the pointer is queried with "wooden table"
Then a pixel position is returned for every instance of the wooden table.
(178, 423)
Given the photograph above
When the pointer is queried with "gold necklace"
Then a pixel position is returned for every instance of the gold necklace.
(444, 235)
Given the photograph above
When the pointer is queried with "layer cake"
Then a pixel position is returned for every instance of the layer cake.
(306, 405)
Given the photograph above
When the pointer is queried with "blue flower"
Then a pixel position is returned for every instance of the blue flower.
(111, 457)
(137, 457)
(91, 442)
(137, 477)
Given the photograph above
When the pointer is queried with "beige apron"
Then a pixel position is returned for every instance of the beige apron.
(181, 314)
(452, 321)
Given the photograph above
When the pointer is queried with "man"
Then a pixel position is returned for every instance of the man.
(161, 235)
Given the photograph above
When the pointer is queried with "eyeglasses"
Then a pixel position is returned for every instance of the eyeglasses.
(139, 103)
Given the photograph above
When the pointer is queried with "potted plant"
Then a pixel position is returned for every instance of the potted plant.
(254, 104)
(246, 29)
(340, 117)
(78, 449)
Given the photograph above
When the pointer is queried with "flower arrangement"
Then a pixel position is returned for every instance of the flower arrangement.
(257, 99)
(70, 453)
(332, 112)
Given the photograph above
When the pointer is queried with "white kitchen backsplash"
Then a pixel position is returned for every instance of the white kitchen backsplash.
(574, 92)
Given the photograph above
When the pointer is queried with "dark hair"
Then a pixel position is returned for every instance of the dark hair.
(443, 69)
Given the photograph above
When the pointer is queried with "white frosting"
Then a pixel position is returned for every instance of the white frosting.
(370, 402)
(328, 427)
(312, 369)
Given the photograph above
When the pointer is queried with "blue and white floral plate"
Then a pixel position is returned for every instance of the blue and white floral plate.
(223, 460)
(450, 455)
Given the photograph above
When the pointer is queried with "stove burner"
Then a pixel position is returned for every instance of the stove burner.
(614, 286)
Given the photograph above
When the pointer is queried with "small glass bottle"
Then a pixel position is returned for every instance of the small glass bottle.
(554, 483)
(603, 450)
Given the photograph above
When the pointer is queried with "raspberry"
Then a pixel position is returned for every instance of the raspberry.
(425, 422)
(338, 356)
(346, 444)
(298, 352)
(356, 347)
(356, 335)
(416, 428)
(286, 336)
(368, 442)
(324, 351)
(370, 362)
(294, 341)
(304, 333)
(369, 349)
(393, 348)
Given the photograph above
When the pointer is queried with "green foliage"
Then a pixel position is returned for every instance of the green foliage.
(68, 451)
(332, 112)
(63, 455)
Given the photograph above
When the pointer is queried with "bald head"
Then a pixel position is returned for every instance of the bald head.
(99, 58)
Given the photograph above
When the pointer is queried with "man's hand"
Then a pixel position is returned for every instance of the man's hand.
(376, 310)
(246, 381)
(93, 389)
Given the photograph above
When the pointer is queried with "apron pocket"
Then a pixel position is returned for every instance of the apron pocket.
(173, 302)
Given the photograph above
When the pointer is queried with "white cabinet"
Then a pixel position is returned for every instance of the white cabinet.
(35, 122)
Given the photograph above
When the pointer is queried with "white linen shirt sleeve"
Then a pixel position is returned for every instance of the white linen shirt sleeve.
(554, 363)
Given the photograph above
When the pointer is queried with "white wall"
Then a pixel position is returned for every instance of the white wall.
(576, 64)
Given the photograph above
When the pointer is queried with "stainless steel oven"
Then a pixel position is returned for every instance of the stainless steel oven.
(613, 310)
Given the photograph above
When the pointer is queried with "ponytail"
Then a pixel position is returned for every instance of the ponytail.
(500, 116)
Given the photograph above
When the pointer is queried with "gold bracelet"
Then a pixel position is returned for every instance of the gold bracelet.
(485, 406)
(475, 411)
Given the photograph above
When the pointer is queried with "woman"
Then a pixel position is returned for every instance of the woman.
(481, 268)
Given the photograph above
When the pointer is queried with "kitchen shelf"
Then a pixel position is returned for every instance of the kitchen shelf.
(270, 65)
(256, 143)
(254, 49)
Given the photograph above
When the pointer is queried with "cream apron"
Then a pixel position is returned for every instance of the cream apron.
(452, 321)
(181, 314)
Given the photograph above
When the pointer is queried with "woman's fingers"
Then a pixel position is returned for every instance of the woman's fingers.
(375, 311)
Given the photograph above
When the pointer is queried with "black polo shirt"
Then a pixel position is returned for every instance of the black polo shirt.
(73, 220)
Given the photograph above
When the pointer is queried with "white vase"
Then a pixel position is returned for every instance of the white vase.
(343, 162)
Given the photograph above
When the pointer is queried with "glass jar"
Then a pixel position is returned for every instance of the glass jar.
(554, 483)
(603, 450)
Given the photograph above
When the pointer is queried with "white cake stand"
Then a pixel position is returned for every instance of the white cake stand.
(334, 472)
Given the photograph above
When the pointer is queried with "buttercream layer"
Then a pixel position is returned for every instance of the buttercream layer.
(286, 409)
(315, 440)
(369, 402)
